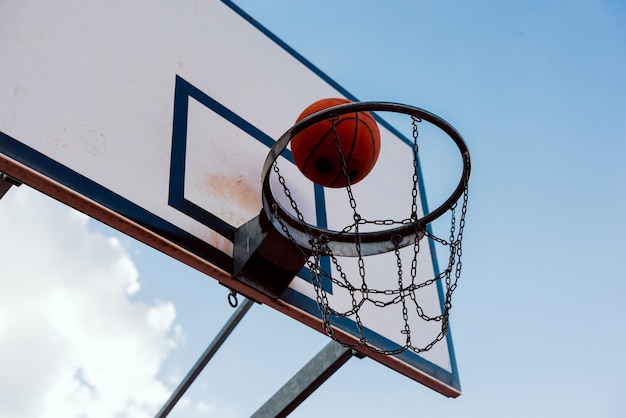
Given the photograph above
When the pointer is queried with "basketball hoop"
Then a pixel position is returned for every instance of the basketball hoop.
(314, 243)
(342, 242)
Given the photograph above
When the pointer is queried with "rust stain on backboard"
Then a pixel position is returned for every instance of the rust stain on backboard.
(240, 200)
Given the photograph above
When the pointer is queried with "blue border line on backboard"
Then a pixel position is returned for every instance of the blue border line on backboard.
(456, 380)
(183, 91)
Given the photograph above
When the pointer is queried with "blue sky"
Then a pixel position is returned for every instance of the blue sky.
(538, 90)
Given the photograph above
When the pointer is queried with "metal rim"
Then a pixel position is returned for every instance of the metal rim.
(370, 242)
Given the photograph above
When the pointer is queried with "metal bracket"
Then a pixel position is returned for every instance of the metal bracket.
(264, 259)
(6, 182)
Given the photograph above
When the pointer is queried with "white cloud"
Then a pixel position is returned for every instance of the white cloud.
(205, 408)
(72, 343)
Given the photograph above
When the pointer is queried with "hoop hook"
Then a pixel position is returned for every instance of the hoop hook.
(232, 299)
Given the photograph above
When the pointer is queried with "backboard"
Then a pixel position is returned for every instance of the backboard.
(159, 123)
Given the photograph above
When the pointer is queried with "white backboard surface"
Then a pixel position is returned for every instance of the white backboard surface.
(156, 116)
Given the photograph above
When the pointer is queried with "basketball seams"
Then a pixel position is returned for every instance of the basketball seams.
(315, 147)
(328, 136)
(319, 159)
(372, 122)
(369, 116)
(355, 135)
(374, 146)
(323, 138)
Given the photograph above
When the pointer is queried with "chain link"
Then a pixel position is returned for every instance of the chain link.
(405, 294)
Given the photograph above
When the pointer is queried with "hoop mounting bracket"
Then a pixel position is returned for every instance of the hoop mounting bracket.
(264, 259)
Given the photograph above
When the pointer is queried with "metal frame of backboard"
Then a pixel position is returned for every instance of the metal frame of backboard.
(37, 136)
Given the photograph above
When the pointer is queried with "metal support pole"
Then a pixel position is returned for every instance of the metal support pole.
(206, 356)
(304, 383)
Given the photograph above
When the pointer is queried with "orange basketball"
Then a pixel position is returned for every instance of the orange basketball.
(315, 149)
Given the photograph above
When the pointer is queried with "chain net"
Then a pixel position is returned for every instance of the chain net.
(404, 287)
